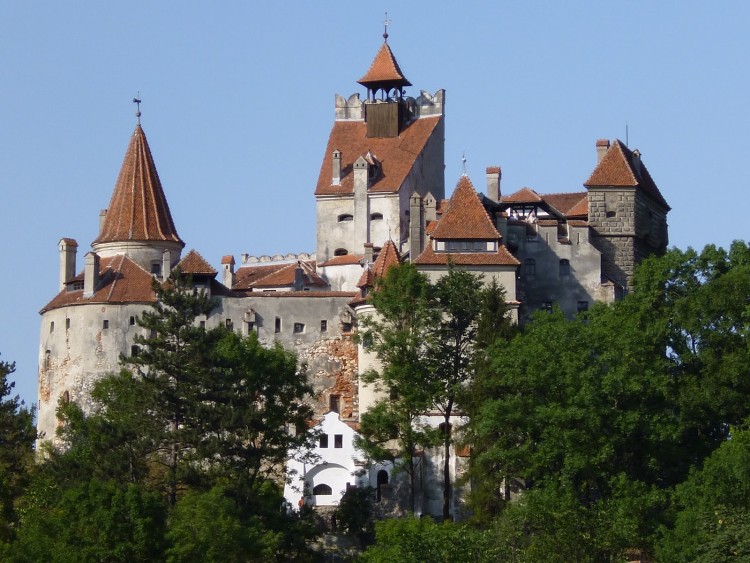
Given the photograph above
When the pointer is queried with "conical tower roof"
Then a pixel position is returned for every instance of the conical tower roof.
(138, 210)
(384, 72)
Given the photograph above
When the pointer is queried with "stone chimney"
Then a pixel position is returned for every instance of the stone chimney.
(299, 278)
(166, 264)
(336, 167)
(68, 248)
(416, 227)
(90, 274)
(602, 146)
(361, 203)
(102, 217)
(369, 253)
(493, 182)
(227, 271)
(430, 208)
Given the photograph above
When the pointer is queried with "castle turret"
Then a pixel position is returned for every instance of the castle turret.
(138, 222)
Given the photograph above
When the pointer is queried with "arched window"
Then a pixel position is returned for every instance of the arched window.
(382, 480)
(346, 217)
(529, 267)
(564, 267)
(340, 252)
(322, 489)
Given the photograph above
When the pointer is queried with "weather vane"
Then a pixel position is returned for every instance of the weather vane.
(386, 23)
(137, 102)
(463, 162)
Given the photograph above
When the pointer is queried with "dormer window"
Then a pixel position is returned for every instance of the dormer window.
(466, 245)
(344, 217)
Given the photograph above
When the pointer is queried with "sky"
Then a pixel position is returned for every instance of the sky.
(237, 104)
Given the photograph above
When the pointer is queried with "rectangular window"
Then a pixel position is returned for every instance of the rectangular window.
(323, 326)
(134, 350)
(250, 327)
(334, 403)
(105, 324)
(67, 324)
(202, 324)
(52, 326)
(299, 327)
(277, 325)
(132, 321)
(346, 327)
(323, 443)
(229, 323)
(338, 440)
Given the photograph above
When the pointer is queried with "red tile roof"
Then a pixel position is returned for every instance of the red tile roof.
(618, 168)
(345, 260)
(120, 281)
(580, 209)
(193, 263)
(466, 217)
(389, 256)
(396, 155)
(245, 277)
(565, 202)
(284, 277)
(138, 210)
(500, 258)
(384, 71)
(524, 195)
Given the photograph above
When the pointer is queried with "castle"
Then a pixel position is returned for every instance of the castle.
(380, 199)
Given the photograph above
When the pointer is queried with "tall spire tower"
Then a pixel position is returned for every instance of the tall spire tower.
(138, 221)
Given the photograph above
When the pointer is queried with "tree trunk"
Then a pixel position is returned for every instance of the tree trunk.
(447, 462)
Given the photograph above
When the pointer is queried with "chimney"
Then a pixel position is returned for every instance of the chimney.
(227, 271)
(90, 274)
(368, 253)
(166, 264)
(68, 248)
(336, 167)
(602, 146)
(637, 162)
(416, 227)
(299, 278)
(493, 182)
(430, 208)
(102, 217)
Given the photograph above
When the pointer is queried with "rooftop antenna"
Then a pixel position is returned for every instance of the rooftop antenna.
(463, 162)
(137, 102)
(626, 135)
(386, 23)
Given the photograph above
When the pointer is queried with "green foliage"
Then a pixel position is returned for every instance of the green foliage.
(17, 436)
(92, 521)
(413, 540)
(401, 338)
(712, 508)
(354, 514)
(208, 526)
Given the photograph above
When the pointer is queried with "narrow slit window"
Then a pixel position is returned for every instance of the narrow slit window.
(277, 325)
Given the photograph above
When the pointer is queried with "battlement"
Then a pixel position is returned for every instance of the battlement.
(426, 105)
(277, 258)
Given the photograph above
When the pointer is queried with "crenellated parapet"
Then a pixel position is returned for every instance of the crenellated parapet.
(429, 104)
(351, 109)
(277, 258)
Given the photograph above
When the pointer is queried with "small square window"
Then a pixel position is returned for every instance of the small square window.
(156, 268)
(323, 443)
(334, 403)
(229, 323)
(105, 324)
(323, 326)
(299, 327)
(132, 321)
(202, 324)
(135, 351)
(346, 327)
(338, 440)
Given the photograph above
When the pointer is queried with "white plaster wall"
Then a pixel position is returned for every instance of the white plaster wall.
(343, 277)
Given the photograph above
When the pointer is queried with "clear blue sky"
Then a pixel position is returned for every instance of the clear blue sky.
(238, 104)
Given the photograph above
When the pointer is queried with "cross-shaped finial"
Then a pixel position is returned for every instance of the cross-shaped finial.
(463, 161)
(386, 23)
(137, 102)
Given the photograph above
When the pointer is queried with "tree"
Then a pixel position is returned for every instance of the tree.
(458, 297)
(400, 336)
(17, 436)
